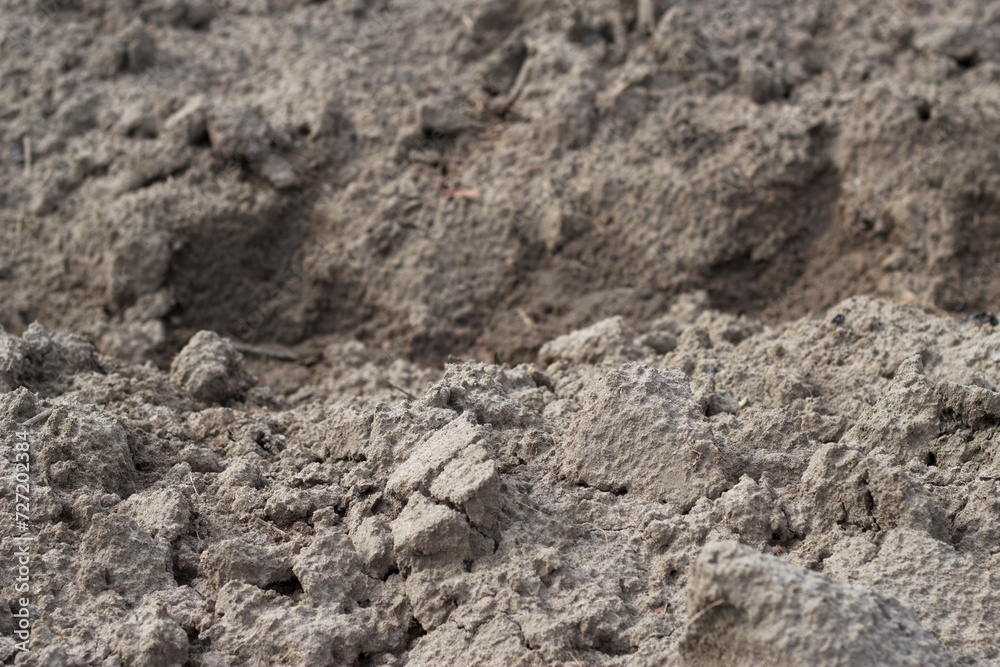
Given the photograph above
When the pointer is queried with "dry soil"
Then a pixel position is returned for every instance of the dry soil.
(370, 333)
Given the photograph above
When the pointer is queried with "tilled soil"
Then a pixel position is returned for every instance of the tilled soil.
(478, 178)
(364, 333)
(717, 491)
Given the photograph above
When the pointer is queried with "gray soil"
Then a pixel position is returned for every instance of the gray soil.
(501, 333)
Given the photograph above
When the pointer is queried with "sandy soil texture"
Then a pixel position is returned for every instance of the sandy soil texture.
(370, 333)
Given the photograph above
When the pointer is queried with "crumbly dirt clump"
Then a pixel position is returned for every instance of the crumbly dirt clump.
(818, 492)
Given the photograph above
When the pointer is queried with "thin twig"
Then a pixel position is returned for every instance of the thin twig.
(191, 482)
(246, 348)
(271, 527)
(534, 509)
(400, 389)
(702, 613)
(40, 417)
(27, 156)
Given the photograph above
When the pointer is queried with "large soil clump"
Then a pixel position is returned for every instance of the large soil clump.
(819, 492)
